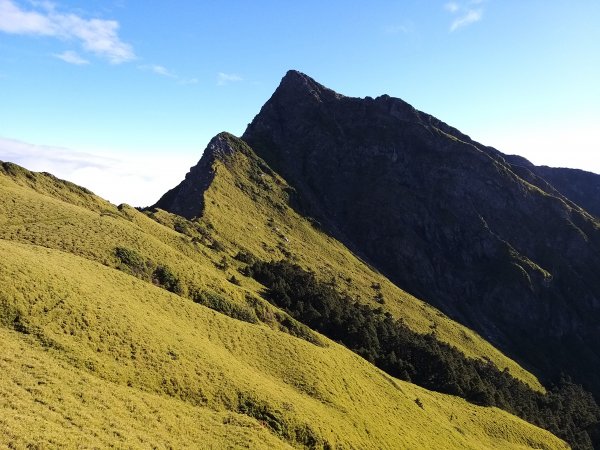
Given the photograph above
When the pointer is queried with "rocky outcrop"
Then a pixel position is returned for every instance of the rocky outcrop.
(187, 198)
(446, 218)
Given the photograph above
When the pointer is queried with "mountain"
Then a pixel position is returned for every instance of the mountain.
(128, 329)
(507, 252)
(244, 310)
(248, 206)
(448, 220)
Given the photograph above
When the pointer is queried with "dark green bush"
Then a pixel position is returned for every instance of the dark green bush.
(274, 420)
(132, 262)
(221, 304)
(233, 280)
(165, 278)
(222, 264)
(245, 257)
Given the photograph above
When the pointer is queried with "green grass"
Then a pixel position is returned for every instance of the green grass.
(82, 325)
(93, 356)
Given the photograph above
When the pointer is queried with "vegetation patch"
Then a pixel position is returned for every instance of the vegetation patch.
(164, 277)
(282, 321)
(302, 434)
(221, 304)
(161, 275)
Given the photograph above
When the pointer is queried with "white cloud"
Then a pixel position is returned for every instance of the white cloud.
(226, 78)
(96, 36)
(470, 17)
(186, 81)
(138, 180)
(44, 4)
(158, 70)
(164, 72)
(465, 13)
(71, 58)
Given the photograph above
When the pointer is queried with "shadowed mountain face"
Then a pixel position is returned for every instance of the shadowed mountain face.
(578, 186)
(503, 248)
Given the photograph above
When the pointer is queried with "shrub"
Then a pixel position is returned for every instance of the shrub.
(222, 264)
(221, 304)
(164, 277)
(132, 262)
(245, 257)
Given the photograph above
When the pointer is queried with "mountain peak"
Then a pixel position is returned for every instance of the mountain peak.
(296, 84)
(187, 198)
(406, 192)
(219, 146)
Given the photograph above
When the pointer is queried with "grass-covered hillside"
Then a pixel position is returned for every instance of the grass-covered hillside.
(247, 207)
(107, 340)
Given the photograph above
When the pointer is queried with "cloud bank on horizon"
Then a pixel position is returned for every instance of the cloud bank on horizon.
(138, 181)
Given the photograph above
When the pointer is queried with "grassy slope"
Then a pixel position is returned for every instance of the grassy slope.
(242, 208)
(102, 358)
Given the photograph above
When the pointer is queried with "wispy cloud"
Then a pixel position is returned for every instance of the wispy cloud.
(226, 78)
(188, 81)
(71, 58)
(465, 13)
(164, 72)
(36, 157)
(471, 16)
(137, 180)
(97, 36)
(158, 70)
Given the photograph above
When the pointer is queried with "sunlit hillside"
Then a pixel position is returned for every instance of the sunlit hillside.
(106, 339)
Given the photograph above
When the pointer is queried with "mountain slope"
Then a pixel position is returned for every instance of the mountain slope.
(445, 218)
(247, 206)
(95, 354)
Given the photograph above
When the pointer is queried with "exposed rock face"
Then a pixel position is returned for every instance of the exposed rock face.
(187, 198)
(446, 218)
(579, 186)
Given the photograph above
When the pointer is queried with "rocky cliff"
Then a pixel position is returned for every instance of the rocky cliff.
(504, 249)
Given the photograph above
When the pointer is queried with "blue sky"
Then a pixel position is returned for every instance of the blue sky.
(122, 96)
